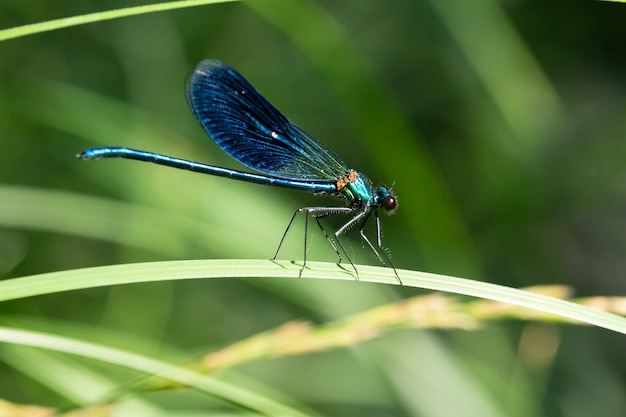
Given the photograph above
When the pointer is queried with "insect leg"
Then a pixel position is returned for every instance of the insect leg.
(317, 213)
(282, 239)
(378, 249)
(344, 228)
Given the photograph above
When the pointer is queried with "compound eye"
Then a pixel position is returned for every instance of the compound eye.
(390, 203)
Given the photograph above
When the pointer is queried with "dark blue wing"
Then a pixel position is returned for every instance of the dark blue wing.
(253, 131)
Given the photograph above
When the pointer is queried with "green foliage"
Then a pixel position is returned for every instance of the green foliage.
(500, 127)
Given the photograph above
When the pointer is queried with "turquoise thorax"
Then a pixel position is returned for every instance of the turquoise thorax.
(355, 187)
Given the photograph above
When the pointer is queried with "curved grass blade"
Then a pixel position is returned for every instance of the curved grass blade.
(99, 17)
(151, 366)
(163, 271)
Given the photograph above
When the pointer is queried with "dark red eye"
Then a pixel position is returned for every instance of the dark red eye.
(389, 203)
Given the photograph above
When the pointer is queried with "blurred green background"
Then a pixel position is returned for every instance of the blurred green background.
(501, 125)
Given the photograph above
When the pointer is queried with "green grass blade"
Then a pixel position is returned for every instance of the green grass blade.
(162, 271)
(151, 366)
(99, 17)
(79, 384)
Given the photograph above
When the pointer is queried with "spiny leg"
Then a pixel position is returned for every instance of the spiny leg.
(343, 229)
(379, 248)
(306, 232)
(316, 212)
(379, 243)
(306, 235)
(320, 212)
(328, 238)
(366, 239)
(282, 239)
